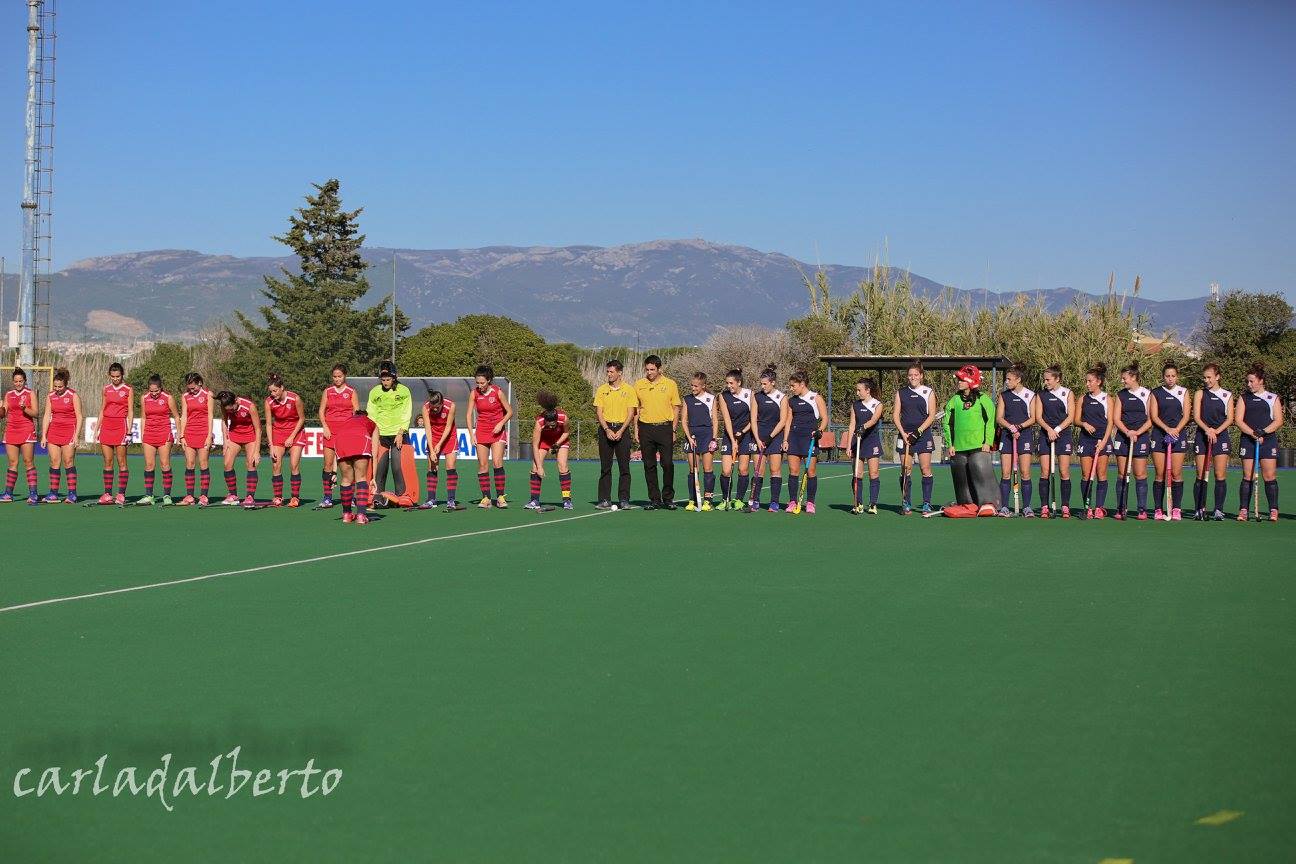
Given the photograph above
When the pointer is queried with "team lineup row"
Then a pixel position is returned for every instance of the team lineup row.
(750, 429)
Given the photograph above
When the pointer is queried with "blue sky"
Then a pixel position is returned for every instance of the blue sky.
(1009, 145)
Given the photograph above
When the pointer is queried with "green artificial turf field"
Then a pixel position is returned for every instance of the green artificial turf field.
(512, 686)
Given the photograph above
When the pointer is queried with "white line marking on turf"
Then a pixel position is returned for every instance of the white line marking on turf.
(314, 560)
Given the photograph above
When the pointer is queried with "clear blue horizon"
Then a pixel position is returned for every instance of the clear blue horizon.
(1008, 146)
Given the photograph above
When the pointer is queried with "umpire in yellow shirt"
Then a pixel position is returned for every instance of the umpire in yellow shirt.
(659, 411)
(615, 403)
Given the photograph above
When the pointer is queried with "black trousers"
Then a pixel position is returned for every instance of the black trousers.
(393, 443)
(619, 449)
(656, 440)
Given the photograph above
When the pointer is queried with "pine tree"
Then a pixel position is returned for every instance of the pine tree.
(312, 320)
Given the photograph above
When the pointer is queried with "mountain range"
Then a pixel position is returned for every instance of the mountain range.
(664, 292)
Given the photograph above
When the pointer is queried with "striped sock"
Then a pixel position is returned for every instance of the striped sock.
(70, 471)
(149, 477)
(11, 480)
(31, 481)
(109, 478)
(564, 481)
(433, 478)
(251, 480)
(483, 483)
(346, 498)
(53, 481)
(452, 483)
(276, 484)
(294, 485)
(535, 486)
(189, 482)
(326, 478)
(499, 482)
(167, 477)
(204, 481)
(231, 482)
(362, 496)
(123, 480)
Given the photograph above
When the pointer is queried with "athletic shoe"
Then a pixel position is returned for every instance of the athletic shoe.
(51, 498)
(230, 500)
(1142, 516)
(276, 502)
(872, 510)
(857, 509)
(294, 502)
(484, 503)
(531, 505)
(690, 507)
(607, 505)
(380, 501)
(1273, 515)
(1044, 512)
(348, 518)
(624, 505)
(567, 504)
(669, 505)
(1219, 516)
(1119, 516)
(501, 502)
(203, 501)
(166, 501)
(810, 508)
(1028, 513)
(794, 508)
(706, 506)
(249, 501)
(187, 501)
(33, 499)
(325, 503)
(103, 499)
(361, 519)
(1099, 513)
(7, 498)
(1066, 512)
(453, 506)
(926, 508)
(146, 501)
(1176, 515)
(906, 508)
(1004, 513)
(70, 499)
(1199, 516)
(120, 500)
(430, 504)
(1160, 516)
(774, 507)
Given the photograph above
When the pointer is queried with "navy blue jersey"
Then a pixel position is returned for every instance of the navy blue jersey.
(1019, 405)
(1258, 410)
(739, 406)
(1093, 410)
(805, 412)
(1215, 407)
(865, 411)
(1055, 408)
(914, 406)
(698, 410)
(1134, 406)
(1171, 404)
(769, 410)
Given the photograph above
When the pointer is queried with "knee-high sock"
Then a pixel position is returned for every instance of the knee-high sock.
(812, 487)
(483, 483)
(776, 488)
(859, 490)
(276, 484)
(726, 482)
(433, 477)
(708, 482)
(743, 480)
(189, 482)
(348, 495)
(875, 487)
(1271, 493)
(204, 481)
(499, 482)
(692, 487)
(31, 481)
(1065, 491)
(1176, 494)
(1244, 494)
(326, 478)
(1158, 493)
(109, 480)
(251, 479)
(1005, 491)
(1045, 489)
(1026, 492)
(1199, 494)
(148, 481)
(362, 496)
(294, 485)
(1221, 493)
(1140, 492)
(70, 471)
(54, 479)
(123, 480)
(167, 478)
(927, 489)
(1101, 494)
(231, 482)
(535, 486)
(564, 482)
(1085, 486)
(11, 480)
(756, 488)
(794, 487)
(452, 483)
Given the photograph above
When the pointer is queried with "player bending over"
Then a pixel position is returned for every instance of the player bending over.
(355, 441)
(551, 433)
(242, 435)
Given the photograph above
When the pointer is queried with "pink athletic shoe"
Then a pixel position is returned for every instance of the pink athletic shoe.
(361, 519)
(249, 501)
(106, 498)
(1273, 515)
(1176, 515)
(1159, 515)
(809, 508)
(187, 501)
(120, 500)
(348, 518)
(230, 500)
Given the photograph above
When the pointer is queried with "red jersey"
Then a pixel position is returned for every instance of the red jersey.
(285, 411)
(20, 428)
(62, 408)
(338, 404)
(239, 418)
(196, 425)
(489, 405)
(549, 437)
(116, 402)
(157, 418)
(354, 436)
(439, 420)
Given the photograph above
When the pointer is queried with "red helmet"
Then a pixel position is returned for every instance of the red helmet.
(970, 375)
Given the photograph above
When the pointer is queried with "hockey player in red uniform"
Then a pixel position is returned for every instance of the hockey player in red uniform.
(242, 435)
(113, 433)
(550, 433)
(355, 440)
(59, 433)
(159, 411)
(287, 417)
(488, 417)
(20, 437)
(196, 413)
(337, 403)
(442, 441)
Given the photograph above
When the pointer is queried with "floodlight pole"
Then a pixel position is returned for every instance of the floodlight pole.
(27, 285)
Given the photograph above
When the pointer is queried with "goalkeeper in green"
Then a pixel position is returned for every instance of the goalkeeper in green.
(970, 434)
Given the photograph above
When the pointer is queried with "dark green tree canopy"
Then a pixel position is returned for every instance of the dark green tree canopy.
(1242, 329)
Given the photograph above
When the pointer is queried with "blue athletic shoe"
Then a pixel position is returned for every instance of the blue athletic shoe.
(926, 508)
(51, 498)
(6, 498)
(774, 507)
(33, 499)
(70, 499)
(906, 508)
(567, 504)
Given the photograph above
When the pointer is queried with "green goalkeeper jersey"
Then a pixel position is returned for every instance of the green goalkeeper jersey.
(969, 426)
(390, 409)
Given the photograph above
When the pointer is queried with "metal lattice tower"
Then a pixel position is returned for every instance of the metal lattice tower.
(38, 182)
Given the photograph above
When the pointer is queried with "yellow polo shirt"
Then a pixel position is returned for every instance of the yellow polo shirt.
(658, 399)
(616, 404)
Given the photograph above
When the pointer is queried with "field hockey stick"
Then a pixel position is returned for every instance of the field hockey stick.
(1129, 466)
(906, 479)
(697, 477)
(1255, 485)
(805, 475)
(857, 479)
(752, 503)
(1053, 475)
(1015, 476)
(1165, 478)
(1089, 484)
